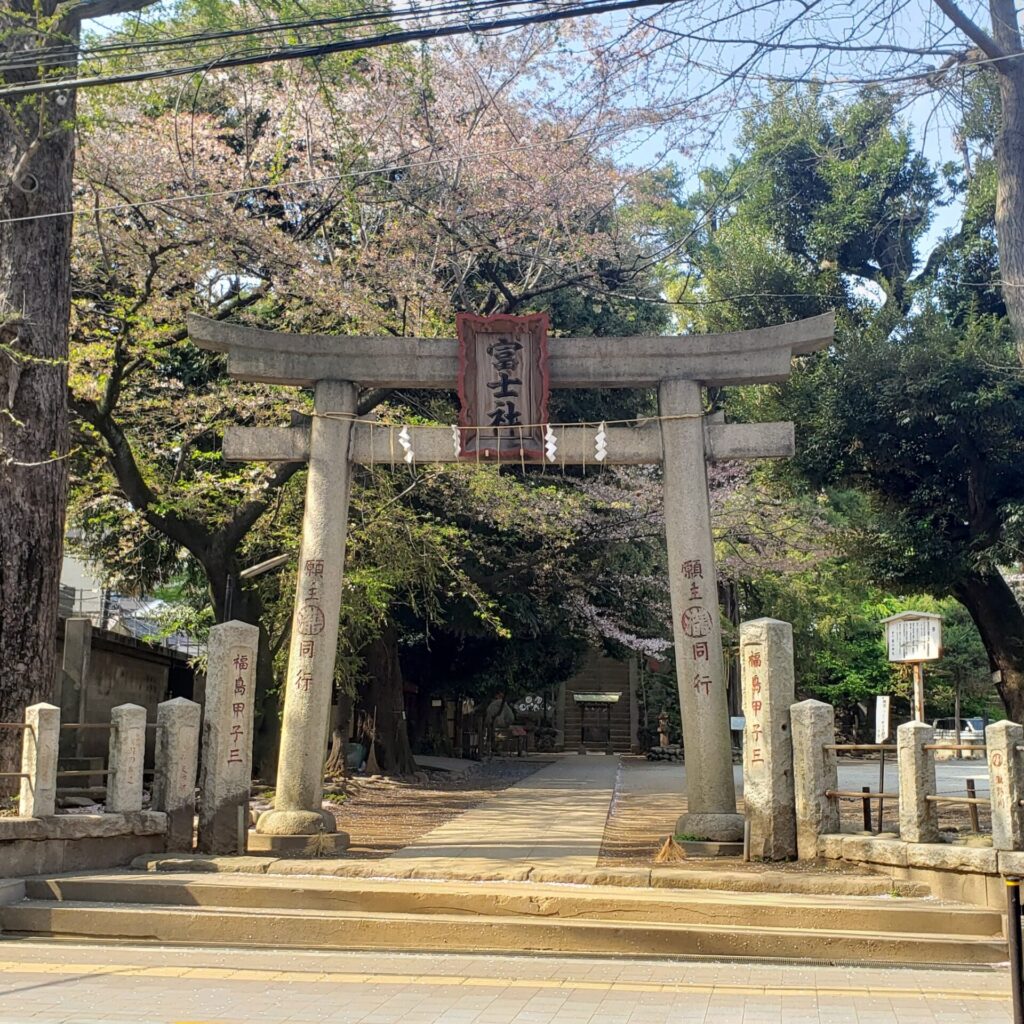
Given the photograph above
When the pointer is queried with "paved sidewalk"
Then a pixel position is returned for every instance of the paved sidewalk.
(555, 818)
(67, 984)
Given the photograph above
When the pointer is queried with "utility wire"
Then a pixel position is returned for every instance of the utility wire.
(299, 51)
(51, 56)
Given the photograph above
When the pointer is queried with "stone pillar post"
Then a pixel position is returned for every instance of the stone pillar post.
(39, 744)
(77, 650)
(126, 759)
(919, 820)
(1006, 782)
(766, 667)
(227, 738)
(310, 681)
(176, 763)
(693, 585)
(815, 772)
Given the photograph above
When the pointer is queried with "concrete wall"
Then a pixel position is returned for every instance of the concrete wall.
(122, 670)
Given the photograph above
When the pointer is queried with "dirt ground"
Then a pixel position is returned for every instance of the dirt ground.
(383, 815)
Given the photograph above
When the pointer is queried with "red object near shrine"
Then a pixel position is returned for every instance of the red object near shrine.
(503, 386)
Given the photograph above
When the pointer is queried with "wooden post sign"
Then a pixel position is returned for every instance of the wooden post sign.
(503, 386)
(914, 637)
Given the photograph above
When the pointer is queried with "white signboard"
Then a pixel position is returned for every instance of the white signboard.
(882, 719)
(912, 637)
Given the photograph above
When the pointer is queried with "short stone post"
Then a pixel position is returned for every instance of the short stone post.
(77, 651)
(39, 744)
(919, 819)
(1006, 783)
(226, 776)
(766, 666)
(177, 761)
(126, 759)
(815, 772)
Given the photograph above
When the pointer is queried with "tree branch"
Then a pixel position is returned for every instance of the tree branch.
(84, 10)
(188, 533)
(972, 30)
(244, 519)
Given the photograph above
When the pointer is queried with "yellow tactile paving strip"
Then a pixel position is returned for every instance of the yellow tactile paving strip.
(346, 978)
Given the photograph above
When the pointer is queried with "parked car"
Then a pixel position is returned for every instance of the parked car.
(972, 733)
(969, 727)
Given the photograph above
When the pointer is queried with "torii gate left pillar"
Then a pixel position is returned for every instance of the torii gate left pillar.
(683, 442)
(314, 637)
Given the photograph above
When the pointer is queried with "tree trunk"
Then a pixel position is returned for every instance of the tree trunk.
(1010, 165)
(384, 695)
(1000, 622)
(341, 722)
(36, 162)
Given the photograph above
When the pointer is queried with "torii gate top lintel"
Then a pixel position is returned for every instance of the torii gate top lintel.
(760, 356)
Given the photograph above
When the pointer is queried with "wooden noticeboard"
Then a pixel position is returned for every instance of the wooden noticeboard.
(913, 637)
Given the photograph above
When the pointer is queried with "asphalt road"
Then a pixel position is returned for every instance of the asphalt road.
(950, 776)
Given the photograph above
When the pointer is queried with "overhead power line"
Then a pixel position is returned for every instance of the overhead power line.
(60, 55)
(302, 50)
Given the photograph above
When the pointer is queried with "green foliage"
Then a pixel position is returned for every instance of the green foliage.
(909, 458)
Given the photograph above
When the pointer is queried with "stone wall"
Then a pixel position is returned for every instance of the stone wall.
(950, 870)
(77, 842)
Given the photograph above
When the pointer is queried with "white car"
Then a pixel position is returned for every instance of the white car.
(970, 728)
(972, 733)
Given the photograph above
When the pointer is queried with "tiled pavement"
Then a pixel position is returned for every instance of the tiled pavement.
(52, 983)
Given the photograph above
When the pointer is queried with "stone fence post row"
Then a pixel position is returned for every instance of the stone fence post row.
(177, 749)
(815, 773)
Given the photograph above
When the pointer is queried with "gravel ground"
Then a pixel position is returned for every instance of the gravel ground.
(383, 815)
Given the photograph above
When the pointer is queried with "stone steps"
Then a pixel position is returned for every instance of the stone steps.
(342, 913)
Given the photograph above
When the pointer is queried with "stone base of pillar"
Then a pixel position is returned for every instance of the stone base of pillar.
(718, 828)
(295, 823)
(323, 844)
(695, 848)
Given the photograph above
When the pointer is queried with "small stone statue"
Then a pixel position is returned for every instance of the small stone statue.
(663, 729)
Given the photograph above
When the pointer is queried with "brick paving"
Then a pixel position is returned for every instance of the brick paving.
(46, 983)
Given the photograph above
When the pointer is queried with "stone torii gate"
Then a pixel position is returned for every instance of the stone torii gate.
(683, 439)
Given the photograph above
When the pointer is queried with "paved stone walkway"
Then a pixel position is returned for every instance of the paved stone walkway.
(65, 984)
(553, 818)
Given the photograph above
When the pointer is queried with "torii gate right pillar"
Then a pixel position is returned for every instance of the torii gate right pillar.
(693, 585)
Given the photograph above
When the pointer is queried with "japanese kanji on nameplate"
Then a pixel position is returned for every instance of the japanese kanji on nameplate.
(503, 385)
